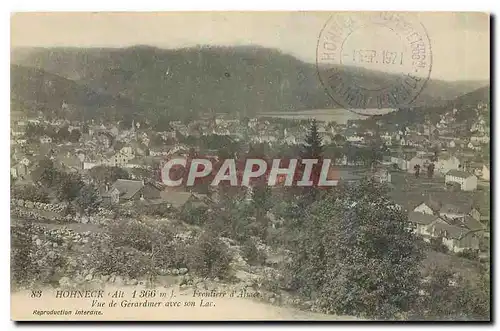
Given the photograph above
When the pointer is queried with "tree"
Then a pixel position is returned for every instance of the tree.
(51, 132)
(417, 170)
(68, 187)
(88, 199)
(161, 122)
(75, 135)
(252, 253)
(313, 149)
(450, 296)
(430, 170)
(358, 254)
(63, 134)
(107, 175)
(261, 203)
(209, 257)
(45, 173)
(339, 139)
(374, 153)
(194, 214)
(435, 156)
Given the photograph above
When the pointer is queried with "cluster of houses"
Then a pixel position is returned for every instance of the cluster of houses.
(148, 192)
(459, 227)
(463, 173)
(410, 148)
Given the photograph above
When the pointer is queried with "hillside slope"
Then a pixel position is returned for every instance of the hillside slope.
(245, 79)
(465, 104)
(37, 90)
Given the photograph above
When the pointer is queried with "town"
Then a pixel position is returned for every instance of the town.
(281, 165)
(439, 172)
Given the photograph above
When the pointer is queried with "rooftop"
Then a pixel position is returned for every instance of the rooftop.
(128, 188)
(455, 209)
(459, 173)
(421, 218)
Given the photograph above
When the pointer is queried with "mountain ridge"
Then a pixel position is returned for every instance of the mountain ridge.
(224, 79)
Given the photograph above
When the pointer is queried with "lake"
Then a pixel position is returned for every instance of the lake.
(340, 116)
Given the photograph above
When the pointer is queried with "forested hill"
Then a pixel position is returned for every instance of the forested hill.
(465, 104)
(37, 90)
(244, 79)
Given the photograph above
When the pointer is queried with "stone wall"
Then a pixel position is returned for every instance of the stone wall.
(53, 207)
(56, 212)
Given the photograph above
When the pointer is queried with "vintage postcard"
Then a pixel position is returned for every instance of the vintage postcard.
(182, 166)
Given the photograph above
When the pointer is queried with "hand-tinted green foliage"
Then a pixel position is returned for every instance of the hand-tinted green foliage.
(252, 253)
(131, 233)
(208, 256)
(107, 258)
(33, 263)
(448, 296)
(358, 255)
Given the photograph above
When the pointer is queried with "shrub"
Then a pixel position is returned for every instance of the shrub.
(195, 215)
(131, 233)
(448, 296)
(252, 253)
(21, 250)
(31, 263)
(154, 241)
(208, 256)
(437, 245)
(356, 255)
(88, 199)
(107, 259)
(471, 254)
(167, 251)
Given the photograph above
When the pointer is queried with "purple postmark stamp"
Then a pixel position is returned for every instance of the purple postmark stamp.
(372, 62)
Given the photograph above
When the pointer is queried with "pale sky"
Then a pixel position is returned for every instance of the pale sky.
(459, 41)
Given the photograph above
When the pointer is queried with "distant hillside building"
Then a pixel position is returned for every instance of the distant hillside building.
(452, 211)
(467, 181)
(485, 173)
(429, 207)
(445, 164)
(424, 223)
(132, 190)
